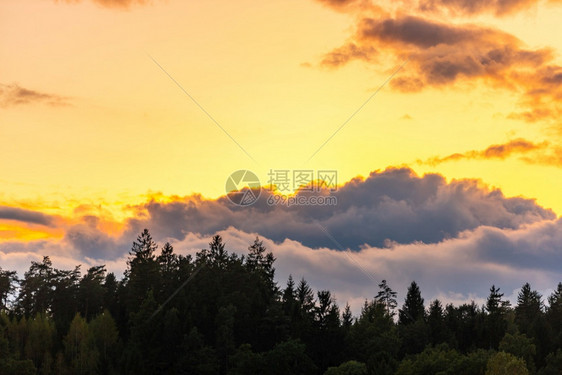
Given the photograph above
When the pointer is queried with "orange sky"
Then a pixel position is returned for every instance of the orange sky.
(89, 123)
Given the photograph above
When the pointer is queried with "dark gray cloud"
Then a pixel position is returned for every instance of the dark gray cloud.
(443, 53)
(417, 31)
(26, 216)
(393, 206)
(91, 241)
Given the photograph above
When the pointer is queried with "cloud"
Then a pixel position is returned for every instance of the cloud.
(88, 239)
(349, 5)
(553, 158)
(455, 238)
(449, 8)
(26, 216)
(499, 151)
(14, 95)
(392, 206)
(443, 53)
(420, 32)
(389, 207)
(346, 53)
(113, 3)
(474, 7)
(455, 270)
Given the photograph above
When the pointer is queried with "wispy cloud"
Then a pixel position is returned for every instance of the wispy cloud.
(342, 55)
(123, 4)
(455, 8)
(498, 151)
(473, 7)
(14, 95)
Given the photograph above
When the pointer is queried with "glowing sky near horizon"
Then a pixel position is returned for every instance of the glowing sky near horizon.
(92, 130)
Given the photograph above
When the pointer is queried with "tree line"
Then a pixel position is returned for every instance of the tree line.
(219, 312)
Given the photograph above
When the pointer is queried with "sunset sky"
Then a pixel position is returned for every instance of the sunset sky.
(455, 153)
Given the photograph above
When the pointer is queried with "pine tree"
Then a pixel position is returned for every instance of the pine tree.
(289, 297)
(436, 323)
(387, 297)
(262, 262)
(218, 256)
(91, 292)
(495, 322)
(143, 248)
(305, 297)
(554, 315)
(347, 317)
(413, 308)
(529, 308)
(143, 271)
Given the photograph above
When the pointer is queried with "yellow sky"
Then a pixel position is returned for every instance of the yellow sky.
(123, 129)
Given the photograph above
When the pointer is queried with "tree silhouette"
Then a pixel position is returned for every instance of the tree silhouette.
(387, 297)
(222, 313)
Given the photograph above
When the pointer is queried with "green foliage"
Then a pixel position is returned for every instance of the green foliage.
(39, 340)
(520, 346)
(106, 336)
(553, 364)
(433, 360)
(245, 361)
(289, 358)
(80, 347)
(374, 340)
(348, 368)
(506, 364)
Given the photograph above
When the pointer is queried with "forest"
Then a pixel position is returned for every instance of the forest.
(220, 312)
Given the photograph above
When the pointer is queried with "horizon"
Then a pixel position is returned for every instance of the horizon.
(424, 136)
